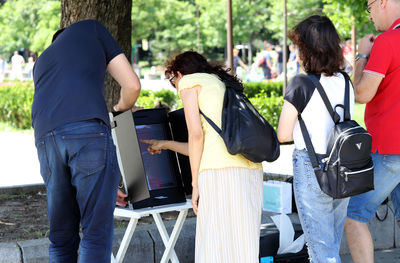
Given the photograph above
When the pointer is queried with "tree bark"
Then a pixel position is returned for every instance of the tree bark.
(115, 15)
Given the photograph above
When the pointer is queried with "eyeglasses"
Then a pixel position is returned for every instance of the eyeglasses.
(368, 8)
(172, 81)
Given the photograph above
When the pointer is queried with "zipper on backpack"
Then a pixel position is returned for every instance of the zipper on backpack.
(346, 178)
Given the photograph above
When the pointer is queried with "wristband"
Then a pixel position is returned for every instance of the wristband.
(361, 56)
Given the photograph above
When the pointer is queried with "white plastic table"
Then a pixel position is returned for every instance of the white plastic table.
(169, 241)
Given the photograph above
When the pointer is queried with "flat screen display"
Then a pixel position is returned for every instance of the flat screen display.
(158, 168)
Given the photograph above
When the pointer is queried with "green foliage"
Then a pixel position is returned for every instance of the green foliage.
(27, 24)
(296, 11)
(166, 96)
(269, 107)
(170, 24)
(358, 114)
(251, 89)
(149, 99)
(15, 105)
(16, 102)
(49, 23)
(174, 26)
(346, 13)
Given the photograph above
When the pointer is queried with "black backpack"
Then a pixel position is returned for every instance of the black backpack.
(244, 130)
(347, 167)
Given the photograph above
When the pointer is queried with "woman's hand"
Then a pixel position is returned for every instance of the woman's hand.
(121, 198)
(195, 199)
(155, 146)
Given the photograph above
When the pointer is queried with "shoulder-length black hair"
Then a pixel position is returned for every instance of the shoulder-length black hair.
(190, 62)
(319, 45)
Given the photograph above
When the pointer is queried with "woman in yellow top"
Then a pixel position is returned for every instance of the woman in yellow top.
(227, 189)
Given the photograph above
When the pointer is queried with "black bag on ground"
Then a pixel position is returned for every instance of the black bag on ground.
(269, 244)
(347, 167)
(244, 130)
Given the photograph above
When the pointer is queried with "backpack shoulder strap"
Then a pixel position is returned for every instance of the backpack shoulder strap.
(310, 148)
(335, 117)
(347, 81)
(216, 128)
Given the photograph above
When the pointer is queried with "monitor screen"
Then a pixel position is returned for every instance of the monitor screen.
(159, 171)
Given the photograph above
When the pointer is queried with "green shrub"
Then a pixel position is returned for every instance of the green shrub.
(149, 99)
(251, 89)
(167, 96)
(15, 105)
(269, 107)
(16, 102)
(146, 99)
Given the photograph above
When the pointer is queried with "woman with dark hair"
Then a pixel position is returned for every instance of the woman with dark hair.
(321, 217)
(227, 189)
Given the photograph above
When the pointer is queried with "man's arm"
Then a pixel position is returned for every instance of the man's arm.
(365, 84)
(121, 70)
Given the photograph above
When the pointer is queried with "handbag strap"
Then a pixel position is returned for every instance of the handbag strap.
(216, 128)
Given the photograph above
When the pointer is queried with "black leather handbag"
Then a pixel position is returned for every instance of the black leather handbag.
(244, 130)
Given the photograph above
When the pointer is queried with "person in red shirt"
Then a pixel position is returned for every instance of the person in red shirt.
(376, 78)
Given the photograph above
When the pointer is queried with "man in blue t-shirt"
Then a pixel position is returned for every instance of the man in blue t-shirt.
(72, 135)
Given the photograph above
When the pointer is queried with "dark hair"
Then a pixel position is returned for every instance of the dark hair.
(319, 45)
(56, 34)
(191, 62)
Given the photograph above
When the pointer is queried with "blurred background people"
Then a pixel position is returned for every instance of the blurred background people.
(17, 61)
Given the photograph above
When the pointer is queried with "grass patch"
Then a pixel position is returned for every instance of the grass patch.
(358, 114)
(12, 196)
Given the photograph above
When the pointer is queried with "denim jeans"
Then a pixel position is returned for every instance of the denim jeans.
(79, 167)
(386, 178)
(395, 197)
(322, 217)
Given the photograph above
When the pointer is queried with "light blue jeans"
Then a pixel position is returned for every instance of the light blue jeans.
(362, 207)
(395, 197)
(322, 217)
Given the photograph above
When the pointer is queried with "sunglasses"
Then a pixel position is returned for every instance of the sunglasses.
(172, 81)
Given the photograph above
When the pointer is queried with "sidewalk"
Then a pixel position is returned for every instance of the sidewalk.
(19, 163)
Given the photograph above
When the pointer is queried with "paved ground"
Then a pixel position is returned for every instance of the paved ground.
(19, 166)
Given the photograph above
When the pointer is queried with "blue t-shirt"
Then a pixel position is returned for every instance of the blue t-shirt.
(69, 77)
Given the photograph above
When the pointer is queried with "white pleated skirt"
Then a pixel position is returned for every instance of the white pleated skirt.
(229, 216)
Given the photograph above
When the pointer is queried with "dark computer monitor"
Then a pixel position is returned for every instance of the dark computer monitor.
(180, 133)
(162, 170)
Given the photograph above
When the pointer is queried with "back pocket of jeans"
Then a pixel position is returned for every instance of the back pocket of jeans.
(87, 152)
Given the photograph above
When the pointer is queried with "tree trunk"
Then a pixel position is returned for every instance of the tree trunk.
(115, 15)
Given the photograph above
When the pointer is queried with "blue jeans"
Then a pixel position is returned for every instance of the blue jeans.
(386, 177)
(395, 197)
(79, 167)
(322, 217)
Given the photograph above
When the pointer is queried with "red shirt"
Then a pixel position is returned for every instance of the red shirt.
(382, 114)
